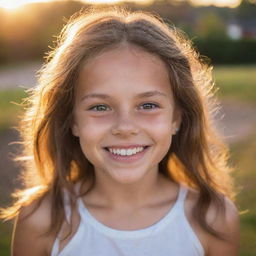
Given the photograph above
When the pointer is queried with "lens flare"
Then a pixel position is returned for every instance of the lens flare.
(219, 3)
(14, 4)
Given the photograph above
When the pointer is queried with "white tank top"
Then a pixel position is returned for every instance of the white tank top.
(170, 236)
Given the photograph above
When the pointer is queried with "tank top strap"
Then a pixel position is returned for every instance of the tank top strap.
(67, 205)
(67, 213)
(67, 200)
(182, 196)
(77, 187)
(55, 248)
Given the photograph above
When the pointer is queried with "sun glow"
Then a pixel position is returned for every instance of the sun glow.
(101, 1)
(219, 3)
(116, 1)
(14, 4)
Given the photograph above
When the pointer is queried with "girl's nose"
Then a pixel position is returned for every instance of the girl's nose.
(125, 126)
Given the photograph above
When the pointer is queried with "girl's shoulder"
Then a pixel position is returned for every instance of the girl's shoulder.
(31, 225)
(225, 222)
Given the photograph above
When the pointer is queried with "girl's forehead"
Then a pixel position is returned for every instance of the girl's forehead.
(124, 65)
(124, 52)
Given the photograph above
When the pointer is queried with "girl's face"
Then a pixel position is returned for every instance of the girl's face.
(124, 114)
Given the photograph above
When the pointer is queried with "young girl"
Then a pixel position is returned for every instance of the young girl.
(122, 157)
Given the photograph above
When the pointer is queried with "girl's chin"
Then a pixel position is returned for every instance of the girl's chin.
(127, 176)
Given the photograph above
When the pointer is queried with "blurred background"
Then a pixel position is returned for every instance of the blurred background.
(223, 31)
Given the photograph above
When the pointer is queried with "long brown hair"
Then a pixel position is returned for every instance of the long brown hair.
(52, 156)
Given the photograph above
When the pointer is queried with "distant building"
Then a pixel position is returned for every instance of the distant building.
(242, 29)
(249, 28)
(234, 31)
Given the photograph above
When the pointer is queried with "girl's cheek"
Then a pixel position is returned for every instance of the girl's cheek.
(93, 125)
(160, 120)
(87, 118)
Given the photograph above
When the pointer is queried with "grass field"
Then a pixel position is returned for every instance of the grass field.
(9, 105)
(243, 157)
(238, 83)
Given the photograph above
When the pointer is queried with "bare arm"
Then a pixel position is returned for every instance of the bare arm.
(27, 239)
(229, 225)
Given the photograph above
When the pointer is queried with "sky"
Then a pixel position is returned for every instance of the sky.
(13, 4)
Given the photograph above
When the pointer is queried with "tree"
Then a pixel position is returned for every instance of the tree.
(210, 25)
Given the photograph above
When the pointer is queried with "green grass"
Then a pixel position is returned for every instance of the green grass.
(9, 100)
(243, 156)
(5, 238)
(236, 82)
(10, 109)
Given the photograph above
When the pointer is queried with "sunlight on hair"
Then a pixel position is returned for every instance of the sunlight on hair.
(177, 170)
(28, 193)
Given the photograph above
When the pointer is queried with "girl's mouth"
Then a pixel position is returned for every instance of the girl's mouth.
(126, 154)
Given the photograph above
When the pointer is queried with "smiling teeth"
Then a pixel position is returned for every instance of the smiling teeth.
(126, 152)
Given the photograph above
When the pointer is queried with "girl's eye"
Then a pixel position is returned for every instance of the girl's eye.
(103, 107)
(100, 107)
(149, 106)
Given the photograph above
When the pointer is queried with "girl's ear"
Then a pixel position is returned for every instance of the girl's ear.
(176, 121)
(74, 129)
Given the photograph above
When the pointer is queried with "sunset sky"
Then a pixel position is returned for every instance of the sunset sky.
(13, 4)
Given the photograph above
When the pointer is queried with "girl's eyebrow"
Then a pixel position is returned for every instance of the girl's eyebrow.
(140, 95)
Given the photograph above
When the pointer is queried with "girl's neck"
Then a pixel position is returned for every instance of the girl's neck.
(131, 196)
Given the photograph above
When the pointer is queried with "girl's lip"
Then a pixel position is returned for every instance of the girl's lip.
(127, 158)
